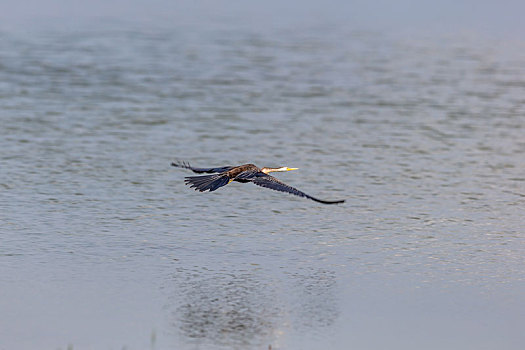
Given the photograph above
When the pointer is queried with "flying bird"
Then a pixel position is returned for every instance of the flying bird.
(242, 173)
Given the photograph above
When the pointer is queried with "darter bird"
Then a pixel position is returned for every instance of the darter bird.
(242, 173)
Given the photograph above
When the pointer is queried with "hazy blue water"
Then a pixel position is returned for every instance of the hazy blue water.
(103, 247)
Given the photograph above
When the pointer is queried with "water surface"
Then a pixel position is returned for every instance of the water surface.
(104, 247)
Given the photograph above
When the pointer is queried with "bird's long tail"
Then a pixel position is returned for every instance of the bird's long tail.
(207, 182)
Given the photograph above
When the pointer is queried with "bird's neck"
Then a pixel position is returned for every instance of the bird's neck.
(270, 170)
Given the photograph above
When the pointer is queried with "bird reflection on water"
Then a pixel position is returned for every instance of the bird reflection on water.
(228, 309)
(241, 309)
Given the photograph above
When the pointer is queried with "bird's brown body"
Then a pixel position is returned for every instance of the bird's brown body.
(232, 174)
(242, 173)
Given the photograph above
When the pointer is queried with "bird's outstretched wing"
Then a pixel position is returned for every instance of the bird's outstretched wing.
(271, 182)
(187, 165)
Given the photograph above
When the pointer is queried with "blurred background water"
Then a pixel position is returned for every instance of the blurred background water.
(103, 247)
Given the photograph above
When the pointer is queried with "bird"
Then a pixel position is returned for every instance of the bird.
(242, 173)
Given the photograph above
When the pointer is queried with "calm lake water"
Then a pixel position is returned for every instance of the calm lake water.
(102, 246)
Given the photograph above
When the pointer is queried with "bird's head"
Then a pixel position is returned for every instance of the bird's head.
(283, 168)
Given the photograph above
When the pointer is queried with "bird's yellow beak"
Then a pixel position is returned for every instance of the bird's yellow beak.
(288, 169)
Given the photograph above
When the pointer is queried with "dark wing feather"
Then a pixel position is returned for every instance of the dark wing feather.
(207, 182)
(187, 165)
(249, 174)
(274, 184)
